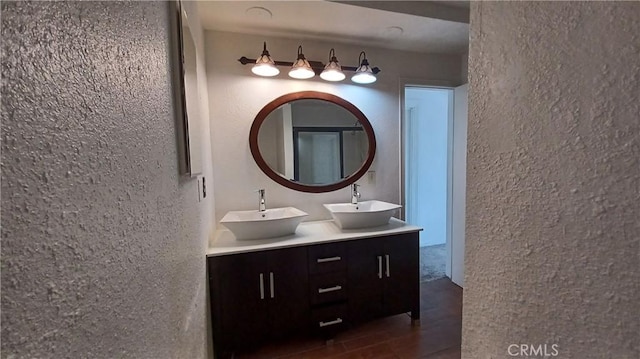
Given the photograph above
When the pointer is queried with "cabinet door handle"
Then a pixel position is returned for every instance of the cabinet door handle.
(330, 259)
(386, 256)
(330, 289)
(333, 322)
(271, 285)
(380, 267)
(261, 286)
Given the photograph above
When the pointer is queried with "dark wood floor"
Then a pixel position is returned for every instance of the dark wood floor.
(437, 337)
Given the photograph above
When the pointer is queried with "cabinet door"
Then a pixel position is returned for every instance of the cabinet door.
(364, 272)
(401, 274)
(239, 299)
(288, 291)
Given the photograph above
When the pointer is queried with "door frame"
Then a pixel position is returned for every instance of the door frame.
(459, 181)
(444, 85)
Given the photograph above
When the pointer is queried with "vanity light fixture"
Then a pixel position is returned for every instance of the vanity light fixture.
(265, 66)
(364, 74)
(333, 70)
(305, 69)
(301, 69)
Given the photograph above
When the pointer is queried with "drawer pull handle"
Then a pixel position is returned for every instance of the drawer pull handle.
(333, 322)
(331, 289)
(330, 259)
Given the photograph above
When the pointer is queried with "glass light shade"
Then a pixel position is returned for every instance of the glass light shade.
(301, 69)
(265, 67)
(332, 71)
(364, 75)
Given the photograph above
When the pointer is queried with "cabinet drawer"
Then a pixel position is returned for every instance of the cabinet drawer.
(329, 319)
(325, 258)
(328, 288)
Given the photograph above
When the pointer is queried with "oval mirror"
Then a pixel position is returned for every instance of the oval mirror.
(312, 141)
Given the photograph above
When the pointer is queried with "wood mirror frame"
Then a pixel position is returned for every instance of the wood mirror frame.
(266, 110)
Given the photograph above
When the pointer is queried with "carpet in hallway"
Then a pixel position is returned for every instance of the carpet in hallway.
(432, 262)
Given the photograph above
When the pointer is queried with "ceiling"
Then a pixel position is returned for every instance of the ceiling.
(419, 26)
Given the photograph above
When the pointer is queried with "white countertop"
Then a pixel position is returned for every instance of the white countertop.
(316, 232)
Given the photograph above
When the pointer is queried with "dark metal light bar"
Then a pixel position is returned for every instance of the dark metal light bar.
(317, 66)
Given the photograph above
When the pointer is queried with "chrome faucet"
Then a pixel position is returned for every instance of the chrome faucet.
(262, 204)
(354, 193)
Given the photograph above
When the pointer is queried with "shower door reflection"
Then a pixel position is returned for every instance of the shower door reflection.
(324, 155)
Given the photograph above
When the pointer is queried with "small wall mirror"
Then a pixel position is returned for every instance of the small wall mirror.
(187, 96)
(312, 141)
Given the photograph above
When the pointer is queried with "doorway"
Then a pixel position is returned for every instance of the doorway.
(434, 156)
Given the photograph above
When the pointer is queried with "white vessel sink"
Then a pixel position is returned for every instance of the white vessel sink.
(364, 214)
(273, 222)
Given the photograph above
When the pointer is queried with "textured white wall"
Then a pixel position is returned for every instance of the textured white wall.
(236, 96)
(102, 241)
(553, 191)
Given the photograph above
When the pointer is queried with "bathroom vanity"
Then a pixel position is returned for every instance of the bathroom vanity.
(315, 282)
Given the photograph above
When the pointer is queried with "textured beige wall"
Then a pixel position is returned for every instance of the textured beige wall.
(102, 241)
(553, 184)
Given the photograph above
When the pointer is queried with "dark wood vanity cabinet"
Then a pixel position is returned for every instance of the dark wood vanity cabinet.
(383, 277)
(319, 288)
(257, 296)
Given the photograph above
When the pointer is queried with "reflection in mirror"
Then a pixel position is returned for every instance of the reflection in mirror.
(314, 142)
